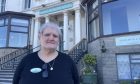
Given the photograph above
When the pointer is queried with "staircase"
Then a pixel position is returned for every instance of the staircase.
(6, 76)
(9, 62)
(78, 51)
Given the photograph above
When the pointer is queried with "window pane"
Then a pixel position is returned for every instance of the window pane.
(18, 40)
(27, 4)
(119, 22)
(93, 14)
(2, 5)
(20, 29)
(135, 68)
(92, 6)
(123, 67)
(1, 22)
(117, 16)
(6, 21)
(3, 35)
(135, 58)
(19, 22)
(94, 29)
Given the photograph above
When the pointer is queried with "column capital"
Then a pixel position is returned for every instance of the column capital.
(77, 9)
(65, 12)
(39, 18)
(47, 16)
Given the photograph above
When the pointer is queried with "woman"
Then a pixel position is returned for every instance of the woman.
(47, 66)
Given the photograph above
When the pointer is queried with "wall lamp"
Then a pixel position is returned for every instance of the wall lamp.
(103, 48)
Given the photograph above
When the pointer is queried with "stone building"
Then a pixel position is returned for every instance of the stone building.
(114, 37)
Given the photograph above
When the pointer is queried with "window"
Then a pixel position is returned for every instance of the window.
(18, 39)
(123, 66)
(19, 29)
(1, 22)
(94, 29)
(20, 22)
(128, 68)
(27, 4)
(92, 5)
(3, 36)
(2, 5)
(3, 32)
(117, 16)
(14, 34)
(19, 32)
(93, 21)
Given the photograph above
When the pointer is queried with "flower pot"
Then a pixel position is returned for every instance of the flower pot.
(89, 79)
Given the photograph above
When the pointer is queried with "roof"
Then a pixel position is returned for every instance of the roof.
(16, 13)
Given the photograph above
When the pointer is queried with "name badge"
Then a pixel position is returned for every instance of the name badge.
(35, 70)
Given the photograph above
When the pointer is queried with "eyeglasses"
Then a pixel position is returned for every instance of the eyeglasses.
(45, 72)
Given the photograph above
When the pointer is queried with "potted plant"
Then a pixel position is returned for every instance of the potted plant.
(89, 75)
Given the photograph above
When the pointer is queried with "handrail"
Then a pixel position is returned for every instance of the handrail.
(76, 45)
(9, 55)
(13, 59)
(78, 51)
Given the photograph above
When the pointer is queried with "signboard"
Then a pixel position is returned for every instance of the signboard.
(127, 40)
(56, 8)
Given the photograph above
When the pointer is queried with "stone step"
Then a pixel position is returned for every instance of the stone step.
(6, 76)
(6, 73)
(5, 82)
(10, 70)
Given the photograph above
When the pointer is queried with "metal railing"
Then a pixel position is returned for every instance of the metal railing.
(11, 60)
(78, 51)
(11, 55)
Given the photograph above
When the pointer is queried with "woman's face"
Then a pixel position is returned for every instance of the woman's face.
(49, 38)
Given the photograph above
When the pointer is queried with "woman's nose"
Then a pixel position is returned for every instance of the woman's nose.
(51, 37)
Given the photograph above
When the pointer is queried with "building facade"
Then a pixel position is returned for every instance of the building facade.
(68, 14)
(114, 37)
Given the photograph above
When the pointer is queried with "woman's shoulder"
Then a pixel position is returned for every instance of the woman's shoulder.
(65, 56)
(29, 56)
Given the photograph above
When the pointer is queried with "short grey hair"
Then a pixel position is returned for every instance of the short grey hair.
(51, 25)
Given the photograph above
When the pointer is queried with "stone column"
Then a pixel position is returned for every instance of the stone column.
(36, 29)
(77, 26)
(65, 31)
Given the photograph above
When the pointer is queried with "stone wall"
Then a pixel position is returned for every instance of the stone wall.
(106, 62)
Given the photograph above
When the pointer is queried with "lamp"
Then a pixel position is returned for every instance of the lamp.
(103, 48)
